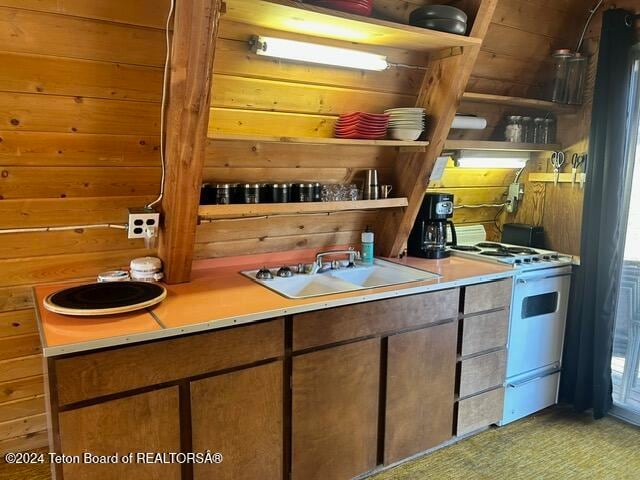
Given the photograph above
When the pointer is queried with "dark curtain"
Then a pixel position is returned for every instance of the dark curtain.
(586, 379)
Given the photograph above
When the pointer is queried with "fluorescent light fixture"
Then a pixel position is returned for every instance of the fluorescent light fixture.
(314, 53)
(490, 159)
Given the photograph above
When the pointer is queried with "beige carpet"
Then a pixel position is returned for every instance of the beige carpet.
(554, 445)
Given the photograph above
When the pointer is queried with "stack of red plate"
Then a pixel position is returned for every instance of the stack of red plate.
(359, 7)
(369, 126)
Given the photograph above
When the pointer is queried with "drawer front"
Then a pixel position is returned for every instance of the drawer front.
(482, 373)
(118, 370)
(487, 296)
(354, 321)
(484, 332)
(479, 411)
(529, 396)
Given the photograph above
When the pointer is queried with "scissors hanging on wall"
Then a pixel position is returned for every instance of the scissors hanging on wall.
(577, 161)
(557, 160)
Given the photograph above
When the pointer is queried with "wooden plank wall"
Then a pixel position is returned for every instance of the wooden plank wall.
(558, 208)
(79, 108)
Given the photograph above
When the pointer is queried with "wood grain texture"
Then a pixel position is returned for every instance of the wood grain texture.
(23, 426)
(22, 367)
(24, 443)
(484, 332)
(193, 45)
(106, 372)
(24, 407)
(148, 422)
(19, 322)
(479, 411)
(323, 327)
(420, 388)
(482, 373)
(26, 387)
(36, 32)
(240, 414)
(15, 298)
(48, 149)
(335, 411)
(487, 296)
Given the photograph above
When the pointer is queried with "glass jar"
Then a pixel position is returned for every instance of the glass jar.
(513, 129)
(538, 130)
(561, 60)
(549, 131)
(223, 194)
(527, 130)
(576, 75)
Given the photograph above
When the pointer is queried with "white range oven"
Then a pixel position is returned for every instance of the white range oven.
(538, 316)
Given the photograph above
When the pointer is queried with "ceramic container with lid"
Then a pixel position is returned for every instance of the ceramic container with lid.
(146, 269)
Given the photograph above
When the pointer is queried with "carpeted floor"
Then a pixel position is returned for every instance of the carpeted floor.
(556, 444)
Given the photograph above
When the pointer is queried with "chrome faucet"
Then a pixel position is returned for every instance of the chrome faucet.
(319, 266)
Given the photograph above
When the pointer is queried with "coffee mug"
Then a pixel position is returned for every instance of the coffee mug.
(385, 191)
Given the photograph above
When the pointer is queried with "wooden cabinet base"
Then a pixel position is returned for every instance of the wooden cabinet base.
(421, 366)
(335, 412)
(239, 414)
(148, 422)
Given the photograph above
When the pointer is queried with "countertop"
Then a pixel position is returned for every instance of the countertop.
(221, 297)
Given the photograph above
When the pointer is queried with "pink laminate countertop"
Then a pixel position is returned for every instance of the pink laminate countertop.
(221, 297)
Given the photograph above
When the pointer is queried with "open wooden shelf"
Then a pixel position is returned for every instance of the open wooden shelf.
(506, 146)
(265, 209)
(296, 17)
(526, 103)
(319, 140)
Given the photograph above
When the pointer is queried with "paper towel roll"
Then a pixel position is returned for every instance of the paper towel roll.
(470, 123)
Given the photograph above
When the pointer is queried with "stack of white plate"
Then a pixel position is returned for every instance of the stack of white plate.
(405, 123)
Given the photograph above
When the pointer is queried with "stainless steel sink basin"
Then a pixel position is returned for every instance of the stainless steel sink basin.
(380, 274)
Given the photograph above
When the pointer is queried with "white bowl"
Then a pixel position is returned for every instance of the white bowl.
(407, 134)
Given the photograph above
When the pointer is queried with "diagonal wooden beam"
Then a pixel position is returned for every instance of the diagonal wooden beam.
(442, 88)
(194, 35)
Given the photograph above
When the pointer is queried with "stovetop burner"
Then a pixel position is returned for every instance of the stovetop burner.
(499, 253)
(466, 248)
(520, 250)
(489, 245)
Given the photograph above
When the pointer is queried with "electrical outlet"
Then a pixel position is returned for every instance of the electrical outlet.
(514, 195)
(143, 222)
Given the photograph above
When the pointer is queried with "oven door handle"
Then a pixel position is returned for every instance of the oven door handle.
(524, 281)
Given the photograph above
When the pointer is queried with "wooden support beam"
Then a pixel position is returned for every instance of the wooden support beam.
(194, 36)
(442, 88)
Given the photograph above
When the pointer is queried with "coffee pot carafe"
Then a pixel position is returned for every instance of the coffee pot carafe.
(428, 238)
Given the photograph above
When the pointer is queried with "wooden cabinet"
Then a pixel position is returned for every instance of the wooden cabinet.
(240, 415)
(420, 389)
(334, 325)
(479, 411)
(482, 372)
(147, 422)
(484, 332)
(487, 296)
(335, 401)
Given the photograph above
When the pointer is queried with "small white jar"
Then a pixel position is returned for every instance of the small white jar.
(146, 269)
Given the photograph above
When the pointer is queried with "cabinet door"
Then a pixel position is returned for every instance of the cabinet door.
(335, 411)
(148, 422)
(239, 414)
(421, 372)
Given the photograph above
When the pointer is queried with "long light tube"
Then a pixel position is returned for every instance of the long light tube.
(491, 159)
(314, 53)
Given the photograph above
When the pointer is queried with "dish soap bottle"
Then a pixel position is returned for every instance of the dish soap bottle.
(367, 246)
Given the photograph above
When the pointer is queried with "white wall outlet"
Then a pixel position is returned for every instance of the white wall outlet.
(143, 223)
(514, 196)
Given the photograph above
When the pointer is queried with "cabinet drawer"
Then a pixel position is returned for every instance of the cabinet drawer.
(482, 372)
(117, 370)
(487, 296)
(484, 332)
(479, 411)
(354, 321)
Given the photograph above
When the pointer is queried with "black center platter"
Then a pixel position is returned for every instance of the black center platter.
(108, 298)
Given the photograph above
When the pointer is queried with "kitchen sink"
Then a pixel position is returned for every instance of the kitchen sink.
(381, 274)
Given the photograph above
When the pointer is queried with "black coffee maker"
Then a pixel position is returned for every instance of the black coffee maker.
(428, 238)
